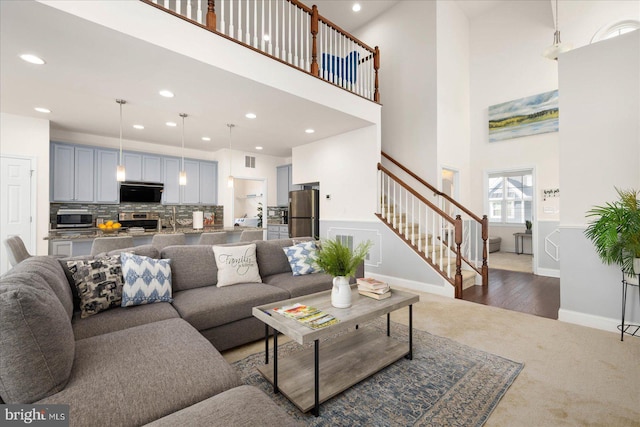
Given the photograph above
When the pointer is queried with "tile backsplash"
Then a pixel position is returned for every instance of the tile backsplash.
(110, 212)
(274, 214)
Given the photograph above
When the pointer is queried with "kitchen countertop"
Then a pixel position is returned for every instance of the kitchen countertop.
(68, 234)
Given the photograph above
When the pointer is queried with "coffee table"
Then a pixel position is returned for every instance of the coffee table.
(313, 375)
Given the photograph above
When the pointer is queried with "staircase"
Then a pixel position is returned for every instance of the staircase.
(455, 247)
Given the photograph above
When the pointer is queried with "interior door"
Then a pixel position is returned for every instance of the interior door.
(15, 205)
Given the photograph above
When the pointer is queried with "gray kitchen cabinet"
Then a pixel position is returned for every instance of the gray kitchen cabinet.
(151, 168)
(61, 248)
(209, 183)
(132, 166)
(72, 173)
(282, 189)
(277, 231)
(170, 172)
(106, 183)
(191, 191)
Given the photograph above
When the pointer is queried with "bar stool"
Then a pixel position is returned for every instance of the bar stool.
(159, 241)
(106, 244)
(251, 235)
(213, 238)
(16, 250)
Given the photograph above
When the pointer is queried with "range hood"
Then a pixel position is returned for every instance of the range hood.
(141, 192)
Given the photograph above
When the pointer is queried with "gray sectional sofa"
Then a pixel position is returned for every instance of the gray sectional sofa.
(151, 363)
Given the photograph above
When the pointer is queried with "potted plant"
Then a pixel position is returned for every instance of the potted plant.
(341, 262)
(615, 231)
(528, 225)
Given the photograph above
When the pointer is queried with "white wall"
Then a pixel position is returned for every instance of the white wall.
(345, 167)
(406, 34)
(28, 137)
(599, 150)
(453, 94)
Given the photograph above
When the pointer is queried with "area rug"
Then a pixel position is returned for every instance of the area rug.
(446, 384)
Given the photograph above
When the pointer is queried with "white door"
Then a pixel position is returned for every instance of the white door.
(15, 205)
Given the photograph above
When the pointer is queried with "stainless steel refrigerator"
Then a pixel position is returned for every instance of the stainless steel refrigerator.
(304, 218)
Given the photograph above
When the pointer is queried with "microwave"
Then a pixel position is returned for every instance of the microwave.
(74, 218)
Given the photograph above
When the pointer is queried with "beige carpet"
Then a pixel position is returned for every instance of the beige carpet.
(573, 375)
(511, 261)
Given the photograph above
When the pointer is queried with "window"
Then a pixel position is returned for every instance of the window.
(510, 197)
(614, 30)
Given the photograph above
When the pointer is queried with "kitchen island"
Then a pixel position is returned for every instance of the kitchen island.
(73, 242)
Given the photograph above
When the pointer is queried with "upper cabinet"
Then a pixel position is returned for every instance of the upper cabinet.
(142, 167)
(284, 185)
(72, 173)
(202, 182)
(106, 183)
(209, 183)
(170, 172)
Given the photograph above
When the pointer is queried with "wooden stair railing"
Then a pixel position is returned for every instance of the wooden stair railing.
(296, 34)
(417, 220)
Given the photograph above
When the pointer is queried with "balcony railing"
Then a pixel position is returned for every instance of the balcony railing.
(290, 32)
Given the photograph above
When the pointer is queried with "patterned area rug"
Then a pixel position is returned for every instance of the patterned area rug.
(446, 384)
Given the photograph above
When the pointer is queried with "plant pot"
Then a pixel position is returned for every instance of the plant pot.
(527, 231)
(341, 292)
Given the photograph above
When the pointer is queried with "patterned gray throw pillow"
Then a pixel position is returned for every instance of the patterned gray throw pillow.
(99, 283)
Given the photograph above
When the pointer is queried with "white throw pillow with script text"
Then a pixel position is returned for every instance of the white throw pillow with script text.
(236, 264)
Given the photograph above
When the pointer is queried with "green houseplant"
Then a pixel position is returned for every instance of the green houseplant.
(527, 225)
(615, 231)
(341, 262)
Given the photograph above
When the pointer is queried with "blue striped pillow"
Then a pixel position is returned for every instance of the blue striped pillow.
(146, 280)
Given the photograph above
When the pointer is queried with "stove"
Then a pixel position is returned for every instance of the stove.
(146, 220)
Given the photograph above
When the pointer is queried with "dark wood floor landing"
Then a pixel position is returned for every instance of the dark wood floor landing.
(523, 292)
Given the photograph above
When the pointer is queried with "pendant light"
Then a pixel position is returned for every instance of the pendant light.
(183, 175)
(230, 179)
(557, 47)
(120, 172)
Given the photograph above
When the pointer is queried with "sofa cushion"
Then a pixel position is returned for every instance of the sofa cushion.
(143, 250)
(236, 264)
(303, 258)
(51, 271)
(146, 280)
(36, 339)
(271, 258)
(99, 283)
(241, 406)
(211, 306)
(117, 319)
(192, 266)
(140, 374)
(300, 285)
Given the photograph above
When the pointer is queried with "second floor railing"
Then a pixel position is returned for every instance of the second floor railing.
(291, 32)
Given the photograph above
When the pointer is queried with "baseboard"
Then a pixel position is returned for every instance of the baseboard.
(548, 272)
(589, 320)
(446, 290)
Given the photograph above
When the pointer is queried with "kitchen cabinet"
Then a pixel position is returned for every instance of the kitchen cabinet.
(72, 173)
(170, 172)
(209, 183)
(151, 168)
(142, 167)
(191, 191)
(132, 166)
(106, 183)
(277, 231)
(284, 184)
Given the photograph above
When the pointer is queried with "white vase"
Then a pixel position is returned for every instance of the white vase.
(341, 292)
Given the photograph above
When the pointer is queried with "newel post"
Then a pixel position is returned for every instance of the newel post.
(314, 45)
(485, 237)
(458, 237)
(376, 67)
(211, 15)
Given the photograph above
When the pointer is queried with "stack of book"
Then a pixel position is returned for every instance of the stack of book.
(373, 288)
(309, 316)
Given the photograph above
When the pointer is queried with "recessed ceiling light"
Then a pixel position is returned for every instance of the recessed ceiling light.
(309, 131)
(166, 93)
(171, 124)
(140, 127)
(250, 116)
(42, 110)
(206, 138)
(258, 148)
(32, 59)
(356, 7)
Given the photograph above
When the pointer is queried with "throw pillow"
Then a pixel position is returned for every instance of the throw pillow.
(236, 264)
(303, 258)
(99, 283)
(146, 280)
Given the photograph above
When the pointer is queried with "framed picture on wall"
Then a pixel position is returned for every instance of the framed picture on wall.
(523, 117)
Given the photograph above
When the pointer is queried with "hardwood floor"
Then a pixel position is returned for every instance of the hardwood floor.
(517, 291)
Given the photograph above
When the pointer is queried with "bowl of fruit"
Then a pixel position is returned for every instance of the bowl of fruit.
(109, 227)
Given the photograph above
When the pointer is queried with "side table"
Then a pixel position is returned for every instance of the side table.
(630, 329)
(519, 238)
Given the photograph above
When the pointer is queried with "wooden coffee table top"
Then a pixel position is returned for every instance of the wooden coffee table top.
(362, 310)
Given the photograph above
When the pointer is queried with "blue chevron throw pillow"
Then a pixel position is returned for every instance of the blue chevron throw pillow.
(146, 280)
(303, 258)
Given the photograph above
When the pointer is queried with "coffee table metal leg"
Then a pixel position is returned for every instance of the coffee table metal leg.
(316, 385)
(266, 344)
(388, 324)
(410, 355)
(275, 361)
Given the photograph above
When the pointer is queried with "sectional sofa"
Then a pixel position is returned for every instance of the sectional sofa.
(152, 363)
